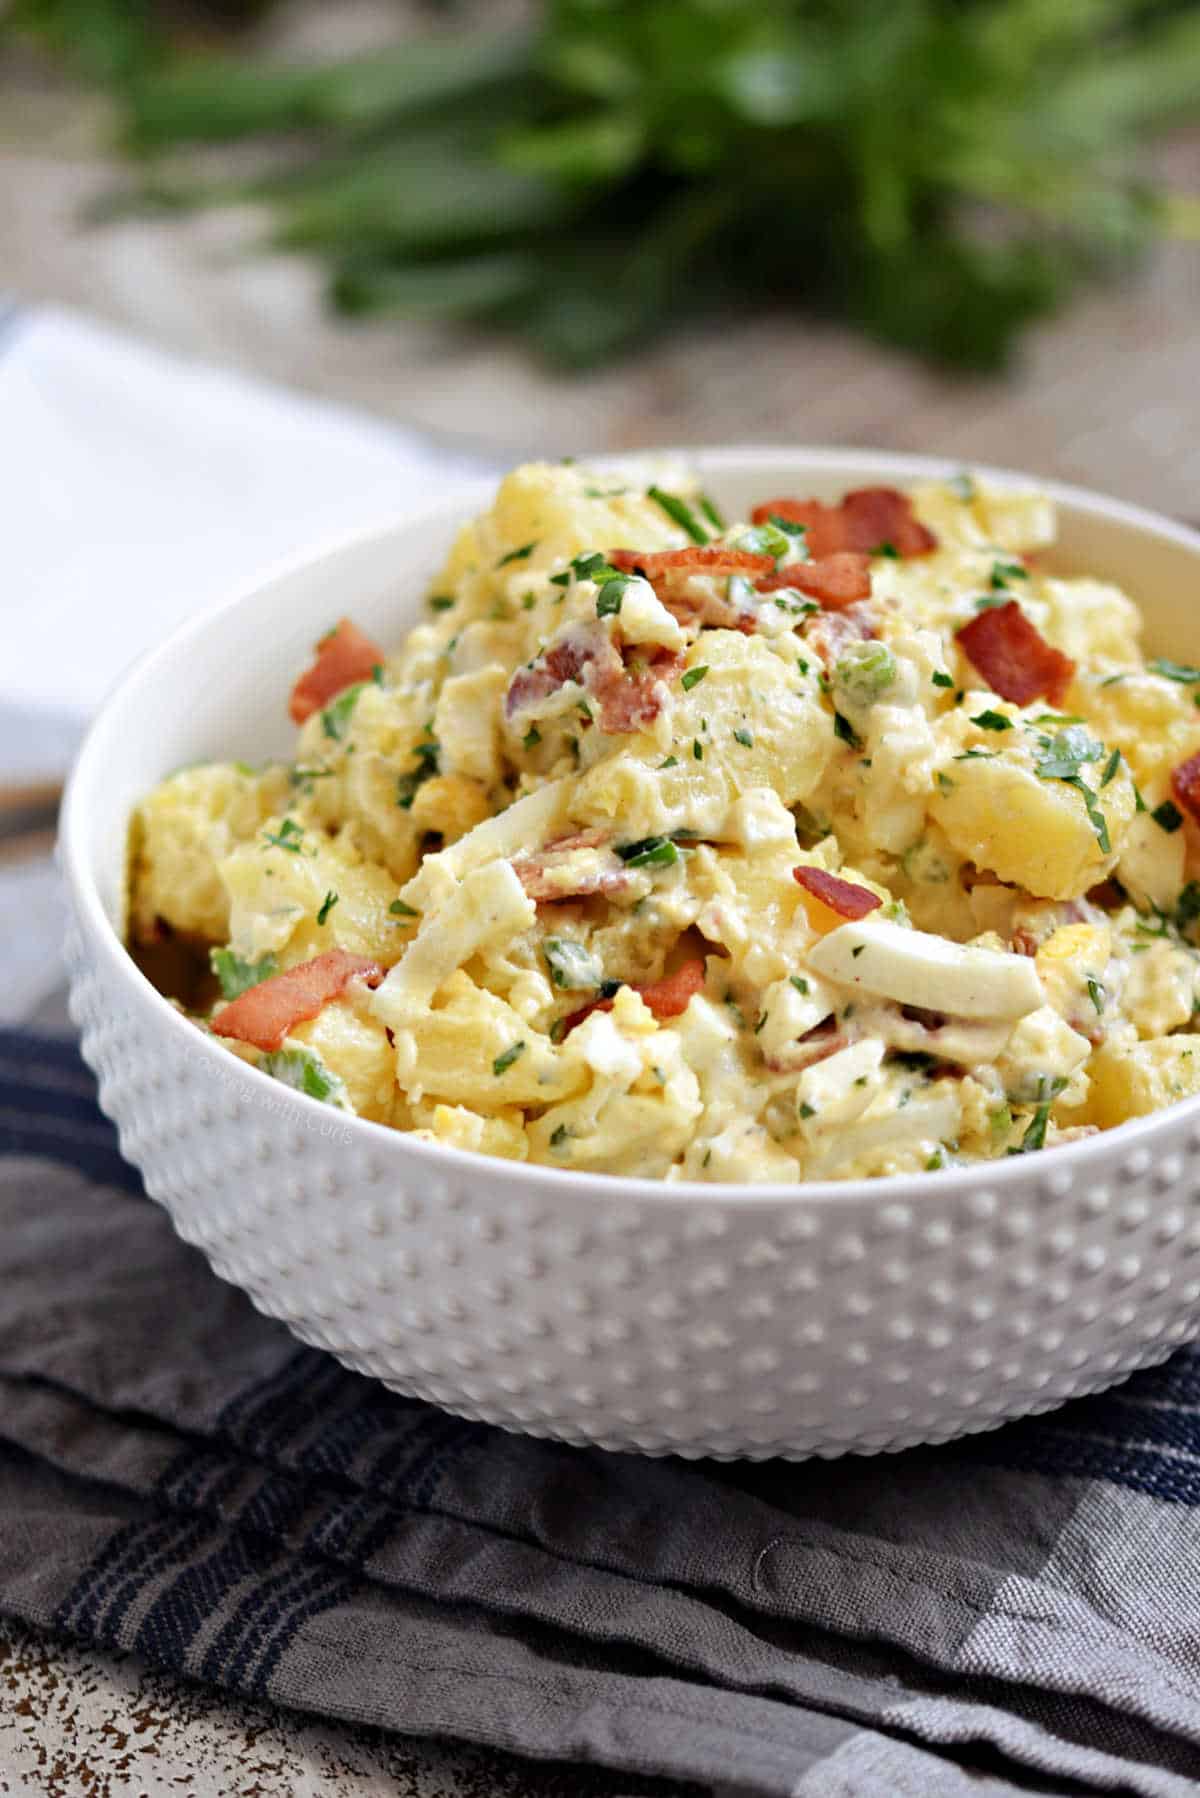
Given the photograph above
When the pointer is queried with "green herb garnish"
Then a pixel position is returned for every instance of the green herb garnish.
(608, 600)
(327, 905)
(693, 677)
(441, 602)
(941, 680)
(304, 1072)
(517, 555)
(503, 1062)
(990, 720)
(799, 982)
(1003, 572)
(399, 909)
(679, 512)
(1167, 816)
(335, 719)
(1110, 767)
(1179, 671)
(532, 737)
(744, 737)
(289, 836)
(844, 730)
(572, 966)
(237, 976)
(650, 852)
(1095, 993)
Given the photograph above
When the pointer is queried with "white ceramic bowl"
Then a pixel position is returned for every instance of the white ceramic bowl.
(722, 1320)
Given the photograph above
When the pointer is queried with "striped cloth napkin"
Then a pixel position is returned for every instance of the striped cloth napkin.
(1019, 1613)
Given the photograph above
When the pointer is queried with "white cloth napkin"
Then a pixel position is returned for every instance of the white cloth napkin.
(135, 487)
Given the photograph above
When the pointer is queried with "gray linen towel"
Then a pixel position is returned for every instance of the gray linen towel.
(180, 1478)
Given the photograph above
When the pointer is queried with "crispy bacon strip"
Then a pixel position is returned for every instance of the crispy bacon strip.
(627, 698)
(817, 1044)
(866, 520)
(667, 998)
(264, 1014)
(1014, 658)
(344, 656)
(836, 580)
(633, 699)
(712, 558)
(840, 896)
(1185, 785)
(548, 875)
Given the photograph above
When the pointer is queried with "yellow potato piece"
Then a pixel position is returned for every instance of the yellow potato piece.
(1033, 832)
(1130, 1080)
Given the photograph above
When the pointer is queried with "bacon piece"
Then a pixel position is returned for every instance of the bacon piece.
(1185, 785)
(537, 873)
(666, 998)
(836, 580)
(569, 658)
(627, 698)
(264, 1014)
(817, 1044)
(837, 895)
(712, 558)
(866, 520)
(1014, 658)
(633, 698)
(344, 656)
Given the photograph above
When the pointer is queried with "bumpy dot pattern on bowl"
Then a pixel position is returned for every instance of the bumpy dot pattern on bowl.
(739, 1326)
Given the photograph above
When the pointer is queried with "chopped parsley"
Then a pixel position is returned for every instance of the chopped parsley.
(1188, 908)
(559, 1136)
(679, 512)
(944, 781)
(887, 549)
(744, 737)
(672, 761)
(1180, 671)
(399, 909)
(807, 1111)
(697, 749)
(844, 730)
(1112, 679)
(572, 967)
(441, 602)
(532, 737)
(693, 677)
(608, 600)
(237, 976)
(1110, 767)
(518, 555)
(1062, 758)
(799, 982)
(427, 765)
(503, 1062)
(304, 1071)
(976, 755)
(1167, 816)
(1003, 572)
(1095, 993)
(1035, 1135)
(289, 836)
(650, 852)
(327, 905)
(941, 679)
(529, 601)
(335, 719)
(990, 720)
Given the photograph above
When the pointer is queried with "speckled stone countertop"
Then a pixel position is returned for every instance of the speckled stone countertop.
(75, 1724)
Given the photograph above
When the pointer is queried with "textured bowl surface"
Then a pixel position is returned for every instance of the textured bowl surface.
(715, 1320)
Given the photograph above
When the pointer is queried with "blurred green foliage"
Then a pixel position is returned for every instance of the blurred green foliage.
(938, 171)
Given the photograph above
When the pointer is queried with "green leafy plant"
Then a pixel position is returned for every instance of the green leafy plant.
(937, 171)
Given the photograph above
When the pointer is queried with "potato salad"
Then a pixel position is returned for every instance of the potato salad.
(844, 839)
